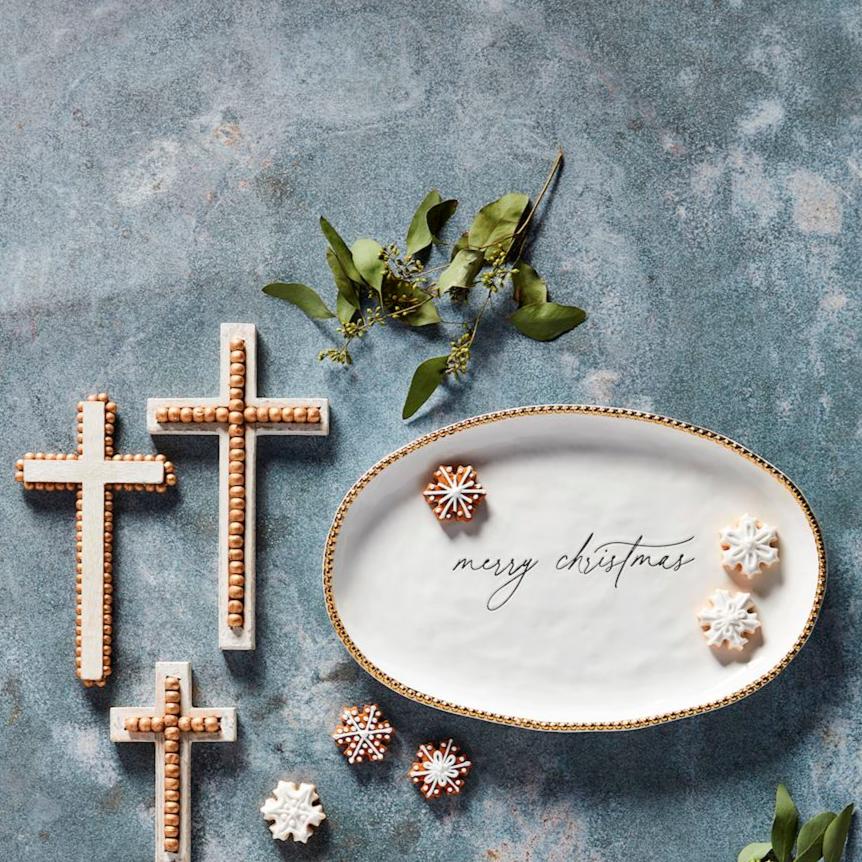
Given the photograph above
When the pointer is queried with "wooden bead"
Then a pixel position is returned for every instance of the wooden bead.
(172, 709)
(235, 541)
(171, 745)
(234, 621)
(236, 568)
(173, 414)
(197, 724)
(236, 528)
(172, 807)
(172, 758)
(262, 414)
(172, 733)
(300, 414)
(172, 845)
(237, 343)
(172, 696)
(131, 725)
(157, 724)
(236, 380)
(171, 831)
(198, 414)
(236, 467)
(235, 607)
(221, 414)
(162, 414)
(172, 770)
(186, 414)
(313, 415)
(172, 683)
(250, 414)
(209, 414)
(171, 819)
(184, 723)
(170, 721)
(236, 592)
(236, 580)
(145, 725)
(172, 796)
(211, 724)
(237, 356)
(275, 414)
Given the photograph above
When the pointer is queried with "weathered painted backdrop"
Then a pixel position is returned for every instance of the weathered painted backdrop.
(161, 161)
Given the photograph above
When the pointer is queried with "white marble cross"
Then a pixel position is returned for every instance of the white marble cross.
(93, 471)
(237, 415)
(173, 724)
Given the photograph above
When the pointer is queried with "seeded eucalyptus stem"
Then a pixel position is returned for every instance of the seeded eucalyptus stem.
(378, 284)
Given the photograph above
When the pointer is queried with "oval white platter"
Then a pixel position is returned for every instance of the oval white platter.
(551, 647)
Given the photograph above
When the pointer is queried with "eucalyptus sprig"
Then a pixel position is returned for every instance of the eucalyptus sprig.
(824, 836)
(377, 284)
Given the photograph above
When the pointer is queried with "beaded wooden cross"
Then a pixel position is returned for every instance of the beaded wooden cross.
(173, 724)
(237, 415)
(94, 471)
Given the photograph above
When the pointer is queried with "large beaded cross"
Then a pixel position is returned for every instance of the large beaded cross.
(173, 724)
(94, 471)
(237, 415)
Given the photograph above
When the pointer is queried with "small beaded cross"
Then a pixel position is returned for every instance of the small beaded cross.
(237, 416)
(94, 472)
(173, 724)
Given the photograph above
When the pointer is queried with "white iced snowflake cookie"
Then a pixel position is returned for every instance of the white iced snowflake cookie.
(728, 618)
(295, 811)
(748, 546)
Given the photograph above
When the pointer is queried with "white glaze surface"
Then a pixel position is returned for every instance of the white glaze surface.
(567, 647)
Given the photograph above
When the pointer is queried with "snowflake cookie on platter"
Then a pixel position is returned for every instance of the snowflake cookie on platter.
(454, 492)
(295, 811)
(748, 546)
(440, 769)
(363, 734)
(728, 618)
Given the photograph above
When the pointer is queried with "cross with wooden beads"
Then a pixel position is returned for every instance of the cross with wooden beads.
(237, 415)
(94, 472)
(173, 724)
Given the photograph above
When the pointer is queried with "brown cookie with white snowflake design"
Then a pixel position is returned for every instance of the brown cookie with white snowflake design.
(440, 769)
(364, 734)
(454, 493)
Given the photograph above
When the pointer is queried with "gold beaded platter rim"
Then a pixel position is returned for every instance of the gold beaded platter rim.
(571, 409)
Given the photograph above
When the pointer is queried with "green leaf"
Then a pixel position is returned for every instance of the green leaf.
(428, 220)
(461, 271)
(369, 264)
(495, 224)
(545, 321)
(754, 852)
(462, 242)
(344, 311)
(528, 284)
(835, 836)
(348, 302)
(784, 825)
(427, 377)
(809, 844)
(302, 296)
(340, 250)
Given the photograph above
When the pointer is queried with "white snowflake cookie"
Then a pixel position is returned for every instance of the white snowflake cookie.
(294, 810)
(728, 618)
(749, 546)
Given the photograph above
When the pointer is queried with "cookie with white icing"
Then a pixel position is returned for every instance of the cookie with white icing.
(295, 811)
(748, 546)
(728, 619)
(454, 492)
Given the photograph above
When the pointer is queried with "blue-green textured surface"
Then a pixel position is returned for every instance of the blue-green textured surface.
(161, 161)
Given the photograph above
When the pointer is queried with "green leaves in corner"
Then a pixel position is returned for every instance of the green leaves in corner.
(835, 836)
(427, 377)
(428, 221)
(784, 825)
(824, 836)
(302, 296)
(494, 226)
(757, 852)
(537, 318)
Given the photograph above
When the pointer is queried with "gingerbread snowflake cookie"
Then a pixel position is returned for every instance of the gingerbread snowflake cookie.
(439, 770)
(748, 546)
(363, 734)
(728, 618)
(295, 811)
(454, 492)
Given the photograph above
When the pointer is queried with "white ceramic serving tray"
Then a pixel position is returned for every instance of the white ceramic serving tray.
(562, 649)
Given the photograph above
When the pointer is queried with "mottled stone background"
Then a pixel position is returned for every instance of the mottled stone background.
(161, 161)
